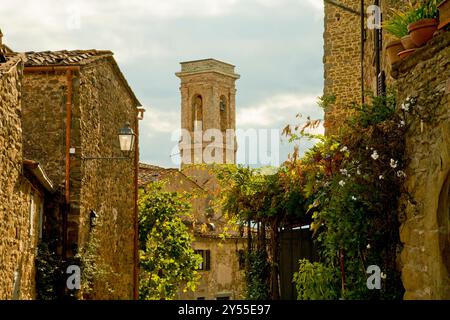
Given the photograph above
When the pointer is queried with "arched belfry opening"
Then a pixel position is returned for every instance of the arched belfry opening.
(223, 109)
(197, 109)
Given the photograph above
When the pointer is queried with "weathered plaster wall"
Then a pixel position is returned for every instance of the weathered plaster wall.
(425, 208)
(103, 106)
(18, 233)
(224, 278)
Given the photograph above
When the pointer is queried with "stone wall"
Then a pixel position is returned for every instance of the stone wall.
(18, 233)
(342, 67)
(43, 121)
(425, 207)
(342, 57)
(102, 106)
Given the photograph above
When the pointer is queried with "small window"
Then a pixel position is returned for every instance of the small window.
(205, 265)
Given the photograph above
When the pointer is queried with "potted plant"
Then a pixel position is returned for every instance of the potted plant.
(397, 26)
(444, 14)
(425, 22)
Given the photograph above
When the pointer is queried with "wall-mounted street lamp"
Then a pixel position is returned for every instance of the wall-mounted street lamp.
(127, 138)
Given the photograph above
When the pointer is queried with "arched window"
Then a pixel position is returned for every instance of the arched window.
(223, 107)
(197, 109)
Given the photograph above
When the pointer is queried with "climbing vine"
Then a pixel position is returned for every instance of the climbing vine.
(355, 180)
(347, 187)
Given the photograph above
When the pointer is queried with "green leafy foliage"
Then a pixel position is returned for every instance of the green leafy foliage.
(97, 273)
(316, 281)
(167, 260)
(257, 275)
(397, 24)
(49, 272)
(426, 10)
(352, 183)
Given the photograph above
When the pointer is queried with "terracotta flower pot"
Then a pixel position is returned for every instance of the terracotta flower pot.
(444, 14)
(406, 53)
(422, 31)
(407, 42)
(392, 50)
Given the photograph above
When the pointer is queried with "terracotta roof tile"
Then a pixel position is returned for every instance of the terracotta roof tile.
(64, 57)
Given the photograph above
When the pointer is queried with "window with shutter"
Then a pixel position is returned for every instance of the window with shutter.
(205, 265)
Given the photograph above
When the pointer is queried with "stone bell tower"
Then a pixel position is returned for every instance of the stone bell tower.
(208, 112)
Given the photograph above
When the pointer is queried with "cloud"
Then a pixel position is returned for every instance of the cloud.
(276, 46)
(275, 111)
(160, 121)
(316, 4)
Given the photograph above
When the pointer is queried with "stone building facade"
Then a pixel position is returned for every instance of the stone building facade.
(424, 213)
(24, 190)
(74, 104)
(353, 50)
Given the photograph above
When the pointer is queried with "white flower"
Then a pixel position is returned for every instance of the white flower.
(353, 198)
(344, 148)
(358, 171)
(405, 106)
(401, 124)
(368, 246)
(381, 177)
(375, 155)
(401, 174)
(344, 172)
(342, 183)
(393, 163)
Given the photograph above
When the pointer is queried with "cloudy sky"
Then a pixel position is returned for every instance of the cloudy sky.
(276, 46)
